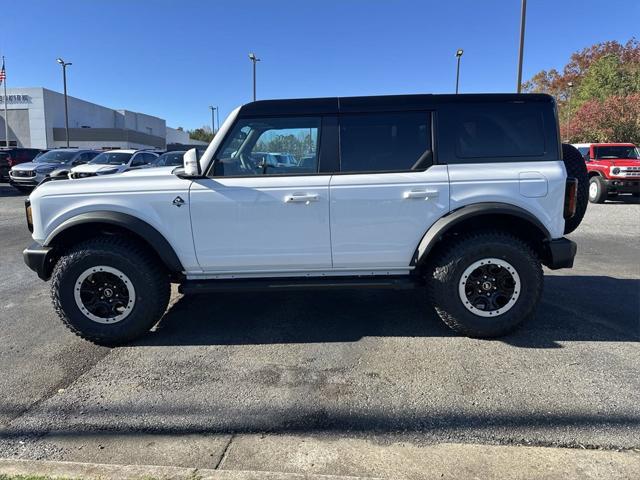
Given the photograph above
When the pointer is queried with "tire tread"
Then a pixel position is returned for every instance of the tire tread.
(128, 250)
(441, 271)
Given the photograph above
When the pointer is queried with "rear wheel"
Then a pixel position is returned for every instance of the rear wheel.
(109, 290)
(485, 284)
(597, 190)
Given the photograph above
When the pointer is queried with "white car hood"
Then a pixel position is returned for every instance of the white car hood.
(25, 166)
(95, 168)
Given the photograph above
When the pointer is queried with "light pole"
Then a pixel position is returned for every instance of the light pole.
(64, 66)
(459, 53)
(213, 122)
(523, 14)
(570, 85)
(254, 59)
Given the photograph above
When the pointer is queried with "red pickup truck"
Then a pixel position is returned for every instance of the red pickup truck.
(613, 168)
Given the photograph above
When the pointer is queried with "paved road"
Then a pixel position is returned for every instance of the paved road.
(377, 365)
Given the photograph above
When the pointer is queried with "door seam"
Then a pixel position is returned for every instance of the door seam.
(329, 206)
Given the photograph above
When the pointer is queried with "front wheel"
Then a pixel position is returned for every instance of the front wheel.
(597, 190)
(484, 285)
(109, 290)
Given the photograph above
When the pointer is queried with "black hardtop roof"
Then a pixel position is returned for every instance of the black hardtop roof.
(332, 105)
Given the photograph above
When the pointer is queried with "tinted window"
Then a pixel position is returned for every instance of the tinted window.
(111, 158)
(56, 156)
(378, 142)
(616, 151)
(140, 159)
(498, 130)
(270, 146)
(170, 159)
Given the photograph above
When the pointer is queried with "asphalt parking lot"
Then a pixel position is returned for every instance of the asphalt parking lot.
(377, 365)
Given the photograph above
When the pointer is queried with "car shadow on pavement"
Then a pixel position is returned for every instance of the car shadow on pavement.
(7, 190)
(623, 200)
(573, 308)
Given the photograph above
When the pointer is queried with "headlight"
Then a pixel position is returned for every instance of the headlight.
(45, 169)
(107, 172)
(615, 170)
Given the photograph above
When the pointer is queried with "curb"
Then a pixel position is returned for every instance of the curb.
(98, 471)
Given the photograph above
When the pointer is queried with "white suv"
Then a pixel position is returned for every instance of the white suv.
(114, 161)
(465, 196)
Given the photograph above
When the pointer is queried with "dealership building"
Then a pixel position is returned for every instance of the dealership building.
(37, 120)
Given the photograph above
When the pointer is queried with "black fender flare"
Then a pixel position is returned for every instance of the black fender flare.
(448, 222)
(128, 222)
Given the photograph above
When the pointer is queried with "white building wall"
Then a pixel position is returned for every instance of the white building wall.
(44, 111)
(37, 135)
(81, 114)
(180, 136)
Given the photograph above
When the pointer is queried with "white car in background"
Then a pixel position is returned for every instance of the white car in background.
(114, 161)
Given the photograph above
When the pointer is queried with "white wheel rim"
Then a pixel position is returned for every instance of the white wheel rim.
(593, 190)
(113, 295)
(486, 287)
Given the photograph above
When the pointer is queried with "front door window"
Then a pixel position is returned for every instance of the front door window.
(270, 146)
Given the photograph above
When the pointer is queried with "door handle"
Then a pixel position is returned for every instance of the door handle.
(301, 198)
(426, 194)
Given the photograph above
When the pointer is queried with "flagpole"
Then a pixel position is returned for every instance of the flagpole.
(6, 118)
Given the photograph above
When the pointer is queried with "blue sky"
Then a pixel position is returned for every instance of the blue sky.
(174, 58)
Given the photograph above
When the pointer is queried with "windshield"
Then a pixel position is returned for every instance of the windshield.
(54, 156)
(111, 158)
(172, 159)
(617, 151)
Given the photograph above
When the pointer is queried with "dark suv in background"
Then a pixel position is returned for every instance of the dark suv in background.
(10, 157)
(27, 176)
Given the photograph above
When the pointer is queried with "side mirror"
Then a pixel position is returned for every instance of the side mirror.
(192, 163)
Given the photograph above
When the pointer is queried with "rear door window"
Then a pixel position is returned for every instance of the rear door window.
(498, 132)
(384, 142)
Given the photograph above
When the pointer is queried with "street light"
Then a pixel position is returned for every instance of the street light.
(213, 123)
(523, 14)
(459, 53)
(64, 66)
(570, 85)
(254, 59)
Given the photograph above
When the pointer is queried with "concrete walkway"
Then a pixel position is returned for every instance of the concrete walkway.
(289, 457)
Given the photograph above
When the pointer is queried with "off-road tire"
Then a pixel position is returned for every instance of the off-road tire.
(600, 194)
(147, 275)
(576, 168)
(444, 273)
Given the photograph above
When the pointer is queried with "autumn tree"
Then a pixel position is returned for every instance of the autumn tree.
(599, 80)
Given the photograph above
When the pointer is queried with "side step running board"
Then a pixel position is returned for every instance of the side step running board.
(323, 283)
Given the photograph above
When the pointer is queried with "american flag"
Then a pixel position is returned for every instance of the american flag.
(3, 75)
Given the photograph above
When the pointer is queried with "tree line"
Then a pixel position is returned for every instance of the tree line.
(597, 92)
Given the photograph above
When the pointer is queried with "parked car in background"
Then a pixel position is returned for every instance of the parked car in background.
(170, 159)
(114, 161)
(10, 157)
(27, 176)
(613, 168)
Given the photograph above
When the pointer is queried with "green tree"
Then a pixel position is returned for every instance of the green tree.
(297, 145)
(608, 76)
(203, 134)
(593, 76)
